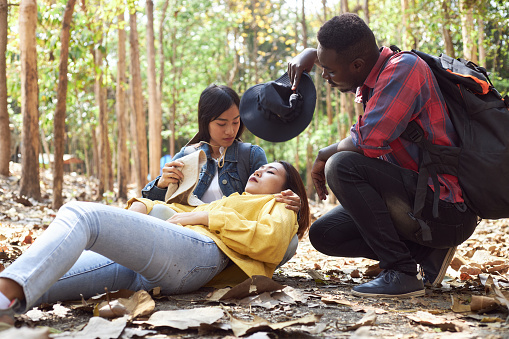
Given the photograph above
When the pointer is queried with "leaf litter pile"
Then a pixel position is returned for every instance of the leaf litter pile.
(308, 297)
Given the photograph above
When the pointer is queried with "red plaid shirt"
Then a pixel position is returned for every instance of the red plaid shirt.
(405, 90)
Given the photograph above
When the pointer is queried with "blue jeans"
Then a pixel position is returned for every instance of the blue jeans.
(373, 219)
(91, 246)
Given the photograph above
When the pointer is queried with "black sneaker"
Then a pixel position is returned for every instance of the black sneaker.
(435, 265)
(390, 283)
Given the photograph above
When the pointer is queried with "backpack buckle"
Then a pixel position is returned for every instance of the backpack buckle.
(413, 135)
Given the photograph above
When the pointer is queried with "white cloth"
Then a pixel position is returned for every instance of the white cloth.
(213, 192)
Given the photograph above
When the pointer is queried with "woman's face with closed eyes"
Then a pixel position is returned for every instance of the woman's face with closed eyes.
(268, 179)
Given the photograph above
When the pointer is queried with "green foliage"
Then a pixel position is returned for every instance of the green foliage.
(203, 39)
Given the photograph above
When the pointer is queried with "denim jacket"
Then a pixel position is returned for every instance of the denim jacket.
(229, 179)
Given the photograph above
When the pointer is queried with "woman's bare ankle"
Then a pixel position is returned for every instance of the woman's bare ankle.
(11, 289)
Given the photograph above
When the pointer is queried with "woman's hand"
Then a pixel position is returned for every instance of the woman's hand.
(300, 63)
(190, 218)
(171, 174)
(139, 207)
(291, 200)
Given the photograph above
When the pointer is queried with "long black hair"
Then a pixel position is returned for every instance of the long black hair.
(294, 183)
(214, 101)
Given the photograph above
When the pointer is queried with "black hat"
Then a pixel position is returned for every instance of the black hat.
(273, 112)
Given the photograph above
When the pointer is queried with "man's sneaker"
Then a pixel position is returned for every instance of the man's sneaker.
(435, 265)
(390, 283)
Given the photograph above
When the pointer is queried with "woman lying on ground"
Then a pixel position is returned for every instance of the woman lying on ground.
(230, 161)
(103, 246)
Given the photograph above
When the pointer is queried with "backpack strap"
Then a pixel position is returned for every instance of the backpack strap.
(244, 161)
(415, 133)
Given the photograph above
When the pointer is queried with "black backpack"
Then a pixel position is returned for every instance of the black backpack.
(481, 118)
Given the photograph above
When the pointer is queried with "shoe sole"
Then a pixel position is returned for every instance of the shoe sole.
(443, 268)
(418, 293)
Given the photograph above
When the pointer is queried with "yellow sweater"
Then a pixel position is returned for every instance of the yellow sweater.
(254, 231)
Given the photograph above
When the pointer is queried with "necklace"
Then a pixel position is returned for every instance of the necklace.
(220, 161)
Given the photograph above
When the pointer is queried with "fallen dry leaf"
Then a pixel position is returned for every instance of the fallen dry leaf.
(367, 309)
(264, 300)
(372, 271)
(317, 276)
(184, 319)
(35, 314)
(112, 309)
(428, 319)
(242, 327)
(123, 293)
(355, 274)
(60, 311)
(25, 333)
(295, 294)
(457, 262)
(334, 300)
(482, 303)
(216, 295)
(458, 307)
(138, 304)
(257, 284)
(369, 319)
(97, 328)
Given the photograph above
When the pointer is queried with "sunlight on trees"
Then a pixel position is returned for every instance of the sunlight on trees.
(199, 42)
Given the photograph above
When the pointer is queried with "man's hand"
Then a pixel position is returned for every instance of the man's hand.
(302, 62)
(171, 174)
(291, 200)
(318, 176)
(190, 218)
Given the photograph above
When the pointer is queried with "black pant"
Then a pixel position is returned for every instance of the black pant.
(373, 220)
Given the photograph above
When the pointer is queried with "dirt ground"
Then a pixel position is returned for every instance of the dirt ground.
(339, 317)
(318, 286)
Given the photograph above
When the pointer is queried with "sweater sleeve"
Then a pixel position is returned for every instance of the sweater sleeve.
(265, 239)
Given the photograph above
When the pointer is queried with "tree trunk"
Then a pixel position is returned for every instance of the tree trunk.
(5, 132)
(102, 126)
(254, 55)
(122, 119)
(134, 149)
(482, 51)
(95, 154)
(59, 119)
(309, 166)
(45, 148)
(85, 152)
(235, 53)
(161, 52)
(304, 26)
(467, 27)
(329, 105)
(305, 44)
(344, 6)
(174, 89)
(446, 31)
(365, 8)
(109, 154)
(29, 183)
(154, 108)
(404, 21)
(139, 116)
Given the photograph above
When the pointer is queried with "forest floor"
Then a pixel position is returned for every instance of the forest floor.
(309, 297)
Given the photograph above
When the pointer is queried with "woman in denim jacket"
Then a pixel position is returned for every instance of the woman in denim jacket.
(230, 161)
